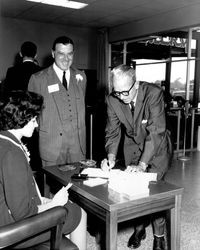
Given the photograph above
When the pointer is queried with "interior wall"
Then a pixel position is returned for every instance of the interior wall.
(13, 32)
(174, 20)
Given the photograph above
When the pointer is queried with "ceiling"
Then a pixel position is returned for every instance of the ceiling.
(98, 13)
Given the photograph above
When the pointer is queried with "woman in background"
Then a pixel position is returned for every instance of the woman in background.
(19, 193)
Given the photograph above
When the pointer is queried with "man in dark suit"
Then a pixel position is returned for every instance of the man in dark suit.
(17, 77)
(62, 135)
(136, 114)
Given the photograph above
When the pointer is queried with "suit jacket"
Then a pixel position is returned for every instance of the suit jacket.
(17, 77)
(146, 136)
(52, 121)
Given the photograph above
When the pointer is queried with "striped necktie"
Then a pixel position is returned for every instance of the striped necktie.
(64, 81)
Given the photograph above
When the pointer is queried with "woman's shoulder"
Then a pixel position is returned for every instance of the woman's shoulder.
(8, 149)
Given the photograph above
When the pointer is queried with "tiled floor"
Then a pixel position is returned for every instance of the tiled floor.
(187, 175)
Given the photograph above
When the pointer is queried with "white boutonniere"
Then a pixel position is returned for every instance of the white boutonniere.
(79, 77)
(144, 121)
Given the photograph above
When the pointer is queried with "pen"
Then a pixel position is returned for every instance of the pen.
(85, 176)
(108, 165)
(88, 177)
(68, 186)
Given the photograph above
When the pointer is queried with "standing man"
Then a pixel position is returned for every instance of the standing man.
(62, 135)
(17, 77)
(136, 115)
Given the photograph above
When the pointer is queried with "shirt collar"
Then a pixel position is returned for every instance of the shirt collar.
(59, 72)
(28, 60)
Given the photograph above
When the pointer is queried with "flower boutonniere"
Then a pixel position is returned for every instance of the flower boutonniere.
(79, 77)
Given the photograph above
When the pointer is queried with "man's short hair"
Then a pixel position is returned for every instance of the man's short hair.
(123, 70)
(28, 49)
(62, 39)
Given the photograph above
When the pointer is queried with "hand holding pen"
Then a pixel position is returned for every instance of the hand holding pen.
(107, 164)
(61, 197)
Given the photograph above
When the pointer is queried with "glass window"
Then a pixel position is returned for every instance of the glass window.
(178, 77)
(150, 70)
(116, 54)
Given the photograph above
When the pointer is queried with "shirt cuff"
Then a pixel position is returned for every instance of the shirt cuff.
(143, 165)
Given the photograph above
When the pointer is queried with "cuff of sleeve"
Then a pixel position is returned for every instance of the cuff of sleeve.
(111, 157)
(143, 165)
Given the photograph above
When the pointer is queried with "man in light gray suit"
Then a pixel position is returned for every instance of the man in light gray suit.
(62, 135)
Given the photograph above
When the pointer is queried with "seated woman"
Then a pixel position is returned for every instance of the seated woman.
(19, 193)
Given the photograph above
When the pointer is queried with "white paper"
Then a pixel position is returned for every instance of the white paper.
(94, 182)
(132, 184)
(97, 172)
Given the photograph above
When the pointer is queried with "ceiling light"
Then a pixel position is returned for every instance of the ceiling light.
(62, 3)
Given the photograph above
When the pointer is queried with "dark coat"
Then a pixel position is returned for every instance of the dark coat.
(145, 135)
(17, 77)
(18, 195)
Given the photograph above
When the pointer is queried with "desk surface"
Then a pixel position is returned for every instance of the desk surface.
(109, 199)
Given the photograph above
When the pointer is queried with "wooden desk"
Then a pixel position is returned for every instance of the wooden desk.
(113, 208)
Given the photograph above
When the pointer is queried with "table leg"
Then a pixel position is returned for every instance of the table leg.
(175, 223)
(111, 231)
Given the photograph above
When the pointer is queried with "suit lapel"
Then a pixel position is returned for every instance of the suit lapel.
(60, 95)
(73, 81)
(139, 104)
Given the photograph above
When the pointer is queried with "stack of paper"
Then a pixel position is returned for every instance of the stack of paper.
(95, 182)
(131, 184)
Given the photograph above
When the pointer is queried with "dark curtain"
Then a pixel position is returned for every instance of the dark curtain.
(102, 61)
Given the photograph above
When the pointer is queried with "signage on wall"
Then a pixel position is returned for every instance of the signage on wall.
(168, 41)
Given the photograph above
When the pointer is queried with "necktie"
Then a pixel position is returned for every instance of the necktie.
(64, 81)
(132, 107)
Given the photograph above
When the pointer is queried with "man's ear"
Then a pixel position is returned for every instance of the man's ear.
(136, 84)
(52, 53)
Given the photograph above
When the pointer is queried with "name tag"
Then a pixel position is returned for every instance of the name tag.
(53, 88)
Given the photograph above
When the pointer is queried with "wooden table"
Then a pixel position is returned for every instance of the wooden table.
(112, 207)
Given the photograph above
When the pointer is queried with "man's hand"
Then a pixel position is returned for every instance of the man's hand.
(134, 168)
(141, 167)
(106, 165)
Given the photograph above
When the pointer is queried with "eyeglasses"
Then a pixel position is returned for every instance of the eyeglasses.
(124, 93)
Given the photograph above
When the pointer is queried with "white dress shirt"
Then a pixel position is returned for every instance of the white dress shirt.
(59, 73)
